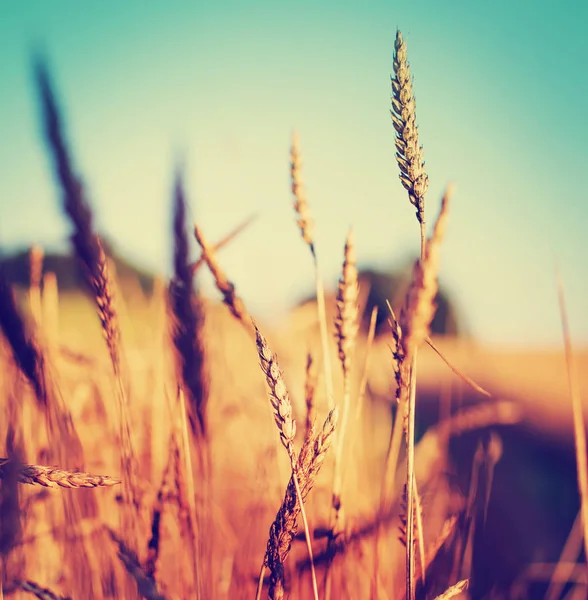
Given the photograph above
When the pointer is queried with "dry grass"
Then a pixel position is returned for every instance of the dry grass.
(163, 394)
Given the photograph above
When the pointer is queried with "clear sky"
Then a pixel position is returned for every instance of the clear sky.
(501, 90)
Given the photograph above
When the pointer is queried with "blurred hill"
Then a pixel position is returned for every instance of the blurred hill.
(377, 287)
(16, 268)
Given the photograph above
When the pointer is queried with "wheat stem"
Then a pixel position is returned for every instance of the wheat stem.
(579, 428)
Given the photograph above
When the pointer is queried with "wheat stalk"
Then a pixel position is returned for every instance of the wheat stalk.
(306, 226)
(578, 415)
(416, 318)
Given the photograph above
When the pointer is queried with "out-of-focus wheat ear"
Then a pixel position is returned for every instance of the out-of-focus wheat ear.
(420, 307)
(224, 286)
(25, 351)
(300, 199)
(188, 320)
(86, 243)
(72, 193)
(145, 585)
(90, 254)
(346, 326)
(306, 226)
(409, 154)
(225, 240)
(36, 590)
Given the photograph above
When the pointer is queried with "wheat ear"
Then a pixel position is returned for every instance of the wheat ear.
(346, 327)
(225, 287)
(409, 154)
(90, 253)
(282, 409)
(188, 319)
(55, 477)
(227, 239)
(25, 351)
(284, 527)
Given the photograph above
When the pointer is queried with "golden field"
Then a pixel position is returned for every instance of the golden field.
(164, 445)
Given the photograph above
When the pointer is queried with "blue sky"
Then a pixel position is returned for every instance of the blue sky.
(501, 94)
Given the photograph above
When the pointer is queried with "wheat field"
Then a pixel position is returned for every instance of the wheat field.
(161, 444)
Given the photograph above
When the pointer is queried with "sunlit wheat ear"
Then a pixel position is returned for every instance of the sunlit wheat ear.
(347, 319)
(300, 199)
(408, 152)
(284, 527)
(279, 397)
(55, 477)
(282, 410)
